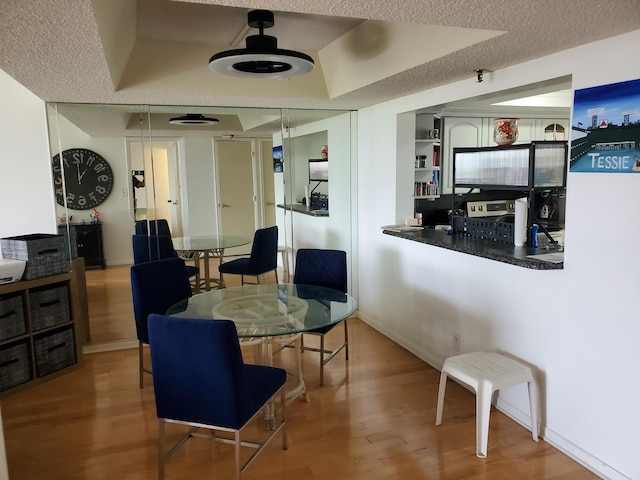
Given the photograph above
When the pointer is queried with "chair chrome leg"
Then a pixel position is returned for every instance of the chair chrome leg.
(346, 340)
(321, 360)
(160, 449)
(237, 447)
(141, 363)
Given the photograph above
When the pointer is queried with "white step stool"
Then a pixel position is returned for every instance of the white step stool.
(486, 373)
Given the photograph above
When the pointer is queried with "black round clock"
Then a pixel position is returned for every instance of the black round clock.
(88, 178)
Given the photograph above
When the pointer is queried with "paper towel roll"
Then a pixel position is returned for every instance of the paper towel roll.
(306, 196)
(520, 223)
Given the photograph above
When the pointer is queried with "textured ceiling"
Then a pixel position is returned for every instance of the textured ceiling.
(156, 51)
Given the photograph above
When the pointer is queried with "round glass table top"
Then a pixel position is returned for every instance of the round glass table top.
(271, 309)
(208, 242)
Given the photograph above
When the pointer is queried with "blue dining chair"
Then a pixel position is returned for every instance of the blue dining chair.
(201, 380)
(263, 257)
(325, 268)
(148, 248)
(155, 286)
(153, 227)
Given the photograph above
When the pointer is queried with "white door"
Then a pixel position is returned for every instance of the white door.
(268, 186)
(236, 190)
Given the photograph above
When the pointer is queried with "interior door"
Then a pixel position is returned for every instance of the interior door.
(268, 186)
(236, 187)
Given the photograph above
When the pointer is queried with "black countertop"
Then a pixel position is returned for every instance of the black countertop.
(478, 247)
(300, 208)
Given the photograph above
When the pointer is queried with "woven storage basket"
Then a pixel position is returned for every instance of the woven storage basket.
(15, 367)
(45, 254)
(54, 352)
(11, 316)
(49, 306)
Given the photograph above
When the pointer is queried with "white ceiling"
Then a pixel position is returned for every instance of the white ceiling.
(156, 51)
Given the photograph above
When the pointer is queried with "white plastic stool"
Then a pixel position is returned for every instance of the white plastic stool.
(486, 373)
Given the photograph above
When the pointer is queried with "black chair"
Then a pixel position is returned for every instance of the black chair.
(325, 268)
(149, 248)
(263, 258)
(153, 227)
(201, 380)
(155, 286)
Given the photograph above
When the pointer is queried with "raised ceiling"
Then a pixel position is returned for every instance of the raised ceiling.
(156, 51)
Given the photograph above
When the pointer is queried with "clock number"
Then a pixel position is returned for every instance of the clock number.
(92, 197)
(82, 201)
(99, 167)
(57, 181)
(101, 190)
(70, 197)
(103, 178)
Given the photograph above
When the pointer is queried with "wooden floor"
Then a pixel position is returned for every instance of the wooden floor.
(373, 419)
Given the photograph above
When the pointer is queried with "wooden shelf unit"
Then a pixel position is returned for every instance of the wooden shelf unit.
(74, 327)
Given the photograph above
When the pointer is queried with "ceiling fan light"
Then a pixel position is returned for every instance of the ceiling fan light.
(193, 119)
(261, 57)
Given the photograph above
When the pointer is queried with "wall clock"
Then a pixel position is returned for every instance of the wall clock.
(88, 178)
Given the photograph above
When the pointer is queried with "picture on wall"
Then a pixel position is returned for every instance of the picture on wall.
(606, 129)
(277, 159)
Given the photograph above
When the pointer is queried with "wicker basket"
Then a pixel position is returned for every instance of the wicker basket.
(49, 306)
(15, 367)
(45, 254)
(11, 316)
(54, 352)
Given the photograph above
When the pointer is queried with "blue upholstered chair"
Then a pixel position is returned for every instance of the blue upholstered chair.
(325, 268)
(149, 248)
(155, 286)
(201, 380)
(153, 227)
(263, 258)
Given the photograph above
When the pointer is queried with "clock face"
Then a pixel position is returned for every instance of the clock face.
(84, 175)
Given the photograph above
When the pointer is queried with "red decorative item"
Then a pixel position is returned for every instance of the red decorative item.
(505, 130)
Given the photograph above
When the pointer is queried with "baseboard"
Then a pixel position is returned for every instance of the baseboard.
(547, 435)
(110, 346)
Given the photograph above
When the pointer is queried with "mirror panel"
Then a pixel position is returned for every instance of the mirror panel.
(190, 174)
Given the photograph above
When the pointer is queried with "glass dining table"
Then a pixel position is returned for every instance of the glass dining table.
(201, 249)
(269, 314)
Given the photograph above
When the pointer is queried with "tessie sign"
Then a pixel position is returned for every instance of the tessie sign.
(606, 129)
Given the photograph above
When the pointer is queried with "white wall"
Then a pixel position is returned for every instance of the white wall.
(578, 326)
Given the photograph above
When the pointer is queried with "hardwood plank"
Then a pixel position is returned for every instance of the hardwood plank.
(373, 419)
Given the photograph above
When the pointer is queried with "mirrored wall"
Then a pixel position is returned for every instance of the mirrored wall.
(207, 172)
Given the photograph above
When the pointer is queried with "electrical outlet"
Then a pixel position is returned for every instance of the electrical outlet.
(456, 342)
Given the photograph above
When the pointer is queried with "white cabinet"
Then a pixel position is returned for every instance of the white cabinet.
(458, 132)
(478, 132)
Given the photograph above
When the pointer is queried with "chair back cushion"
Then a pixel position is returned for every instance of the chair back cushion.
(198, 372)
(264, 251)
(155, 227)
(322, 267)
(156, 286)
(148, 248)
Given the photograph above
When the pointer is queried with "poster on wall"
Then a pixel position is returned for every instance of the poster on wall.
(277, 159)
(605, 130)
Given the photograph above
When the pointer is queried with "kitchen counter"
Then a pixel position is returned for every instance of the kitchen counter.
(300, 208)
(492, 250)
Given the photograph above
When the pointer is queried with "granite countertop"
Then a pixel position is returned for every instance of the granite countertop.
(300, 208)
(489, 249)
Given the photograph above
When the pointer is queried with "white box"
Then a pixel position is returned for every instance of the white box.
(11, 270)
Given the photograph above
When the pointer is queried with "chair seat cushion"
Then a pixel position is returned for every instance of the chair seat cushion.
(192, 271)
(322, 330)
(264, 382)
(239, 266)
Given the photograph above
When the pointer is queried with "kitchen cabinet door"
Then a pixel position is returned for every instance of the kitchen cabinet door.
(458, 132)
